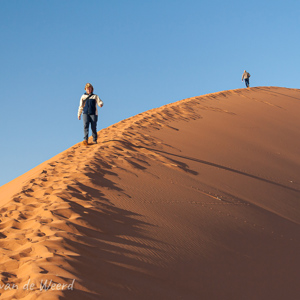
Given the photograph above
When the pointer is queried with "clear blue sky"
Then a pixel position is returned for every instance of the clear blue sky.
(138, 54)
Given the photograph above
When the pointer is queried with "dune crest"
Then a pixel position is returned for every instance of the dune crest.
(198, 199)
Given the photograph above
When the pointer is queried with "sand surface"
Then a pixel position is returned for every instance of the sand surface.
(198, 199)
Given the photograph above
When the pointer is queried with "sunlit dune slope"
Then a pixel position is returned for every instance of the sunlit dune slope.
(198, 199)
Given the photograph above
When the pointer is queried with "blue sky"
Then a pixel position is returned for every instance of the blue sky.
(138, 54)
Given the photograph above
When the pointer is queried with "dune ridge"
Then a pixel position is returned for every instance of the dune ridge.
(198, 198)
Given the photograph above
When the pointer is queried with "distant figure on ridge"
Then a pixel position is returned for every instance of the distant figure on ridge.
(88, 106)
(246, 76)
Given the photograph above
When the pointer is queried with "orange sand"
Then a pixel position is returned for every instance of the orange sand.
(198, 199)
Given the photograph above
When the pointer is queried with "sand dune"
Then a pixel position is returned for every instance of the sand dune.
(198, 199)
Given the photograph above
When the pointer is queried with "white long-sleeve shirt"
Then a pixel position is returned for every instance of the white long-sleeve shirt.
(83, 101)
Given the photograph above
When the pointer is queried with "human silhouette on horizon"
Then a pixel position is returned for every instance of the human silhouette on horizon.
(246, 76)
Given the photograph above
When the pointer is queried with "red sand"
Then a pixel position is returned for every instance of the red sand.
(198, 199)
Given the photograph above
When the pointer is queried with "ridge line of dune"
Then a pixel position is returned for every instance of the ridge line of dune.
(47, 212)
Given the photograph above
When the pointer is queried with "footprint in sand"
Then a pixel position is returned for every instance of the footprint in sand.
(46, 221)
(41, 234)
(6, 276)
(2, 236)
(43, 271)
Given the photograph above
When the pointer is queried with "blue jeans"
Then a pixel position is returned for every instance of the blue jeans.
(247, 82)
(87, 119)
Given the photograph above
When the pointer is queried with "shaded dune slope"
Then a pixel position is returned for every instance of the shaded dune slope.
(198, 199)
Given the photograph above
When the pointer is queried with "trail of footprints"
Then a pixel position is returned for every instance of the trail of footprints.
(26, 223)
(34, 216)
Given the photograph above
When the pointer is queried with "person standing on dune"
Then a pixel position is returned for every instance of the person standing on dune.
(88, 109)
(246, 76)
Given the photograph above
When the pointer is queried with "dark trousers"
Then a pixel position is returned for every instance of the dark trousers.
(87, 120)
(247, 82)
